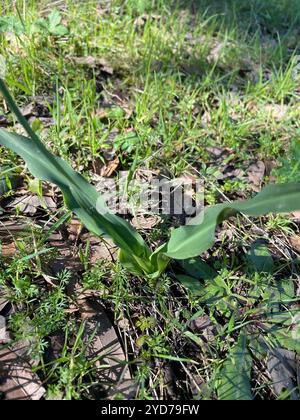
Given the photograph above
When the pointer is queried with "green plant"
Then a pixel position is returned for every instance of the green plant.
(51, 25)
(48, 26)
(83, 199)
(288, 169)
(234, 381)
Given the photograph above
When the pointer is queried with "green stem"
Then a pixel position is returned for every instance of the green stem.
(13, 107)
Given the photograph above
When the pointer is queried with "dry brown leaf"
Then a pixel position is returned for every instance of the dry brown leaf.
(8, 250)
(29, 204)
(108, 169)
(295, 242)
(18, 382)
(74, 229)
(93, 62)
(3, 299)
(145, 222)
(4, 121)
(124, 324)
(216, 51)
(100, 250)
(278, 112)
(204, 326)
(296, 215)
(3, 333)
(101, 113)
(36, 109)
(256, 174)
(282, 365)
(67, 259)
(216, 151)
(11, 227)
(106, 347)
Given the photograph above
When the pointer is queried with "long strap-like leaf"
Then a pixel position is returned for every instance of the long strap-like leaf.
(81, 197)
(192, 240)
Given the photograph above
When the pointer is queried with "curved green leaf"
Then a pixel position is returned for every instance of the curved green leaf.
(234, 377)
(81, 197)
(192, 240)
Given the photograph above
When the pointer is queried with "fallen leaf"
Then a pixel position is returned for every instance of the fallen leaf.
(146, 222)
(216, 51)
(29, 204)
(295, 242)
(108, 169)
(256, 174)
(74, 229)
(204, 326)
(103, 251)
(93, 62)
(4, 121)
(296, 215)
(100, 249)
(278, 112)
(215, 151)
(35, 109)
(67, 259)
(3, 299)
(8, 250)
(283, 370)
(18, 382)
(124, 324)
(3, 333)
(106, 348)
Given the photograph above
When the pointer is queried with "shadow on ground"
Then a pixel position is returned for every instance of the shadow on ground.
(265, 33)
(265, 16)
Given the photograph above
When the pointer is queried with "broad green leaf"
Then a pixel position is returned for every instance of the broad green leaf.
(259, 259)
(11, 24)
(7, 184)
(288, 340)
(54, 18)
(194, 239)
(191, 284)
(8, 180)
(285, 329)
(289, 164)
(59, 30)
(55, 28)
(198, 268)
(280, 292)
(218, 295)
(234, 377)
(40, 26)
